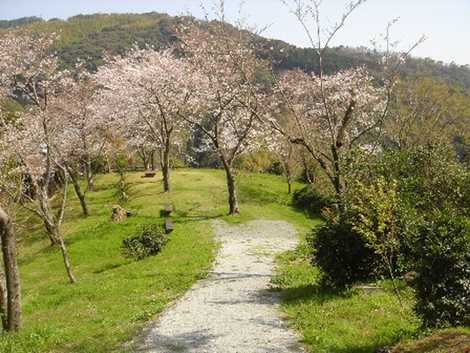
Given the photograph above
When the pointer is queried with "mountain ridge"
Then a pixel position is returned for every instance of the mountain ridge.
(88, 36)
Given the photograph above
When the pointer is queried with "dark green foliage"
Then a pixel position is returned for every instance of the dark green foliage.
(431, 222)
(429, 177)
(443, 267)
(148, 242)
(24, 21)
(115, 40)
(342, 254)
(276, 168)
(287, 56)
(311, 200)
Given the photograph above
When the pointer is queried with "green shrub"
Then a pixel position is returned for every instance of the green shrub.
(387, 223)
(342, 254)
(429, 177)
(443, 267)
(311, 200)
(148, 242)
(257, 162)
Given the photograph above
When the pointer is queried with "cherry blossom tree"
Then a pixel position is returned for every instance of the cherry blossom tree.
(33, 141)
(83, 130)
(330, 115)
(230, 101)
(335, 113)
(151, 93)
(287, 155)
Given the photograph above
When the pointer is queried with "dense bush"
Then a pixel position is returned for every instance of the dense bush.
(387, 223)
(148, 242)
(311, 200)
(259, 162)
(443, 267)
(429, 177)
(342, 254)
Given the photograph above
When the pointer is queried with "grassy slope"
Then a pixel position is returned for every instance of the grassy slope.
(445, 341)
(116, 296)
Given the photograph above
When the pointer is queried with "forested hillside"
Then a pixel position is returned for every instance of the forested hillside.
(88, 36)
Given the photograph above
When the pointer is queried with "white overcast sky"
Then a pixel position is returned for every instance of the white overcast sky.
(446, 23)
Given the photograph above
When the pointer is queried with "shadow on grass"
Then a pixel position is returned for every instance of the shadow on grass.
(110, 267)
(28, 259)
(197, 218)
(320, 295)
(194, 215)
(313, 292)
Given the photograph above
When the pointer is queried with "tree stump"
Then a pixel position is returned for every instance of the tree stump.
(119, 214)
(169, 226)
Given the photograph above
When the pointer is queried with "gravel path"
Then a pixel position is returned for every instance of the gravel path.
(233, 310)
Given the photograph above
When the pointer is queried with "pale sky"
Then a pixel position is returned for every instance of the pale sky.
(446, 23)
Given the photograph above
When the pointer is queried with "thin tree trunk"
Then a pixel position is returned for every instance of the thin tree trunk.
(3, 302)
(166, 166)
(89, 175)
(66, 257)
(49, 225)
(145, 158)
(337, 179)
(12, 275)
(308, 176)
(288, 177)
(152, 159)
(108, 165)
(79, 192)
(232, 192)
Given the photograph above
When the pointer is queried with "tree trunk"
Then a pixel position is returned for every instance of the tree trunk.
(308, 176)
(12, 275)
(232, 192)
(166, 166)
(288, 177)
(50, 233)
(66, 257)
(3, 302)
(337, 179)
(108, 165)
(152, 159)
(79, 192)
(161, 158)
(89, 175)
(145, 158)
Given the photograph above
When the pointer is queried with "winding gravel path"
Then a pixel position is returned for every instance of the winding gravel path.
(233, 310)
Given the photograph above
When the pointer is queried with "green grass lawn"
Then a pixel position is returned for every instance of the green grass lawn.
(114, 296)
(355, 321)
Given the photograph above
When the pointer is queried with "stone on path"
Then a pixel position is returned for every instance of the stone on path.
(233, 310)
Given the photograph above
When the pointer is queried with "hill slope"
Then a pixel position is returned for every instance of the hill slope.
(88, 36)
